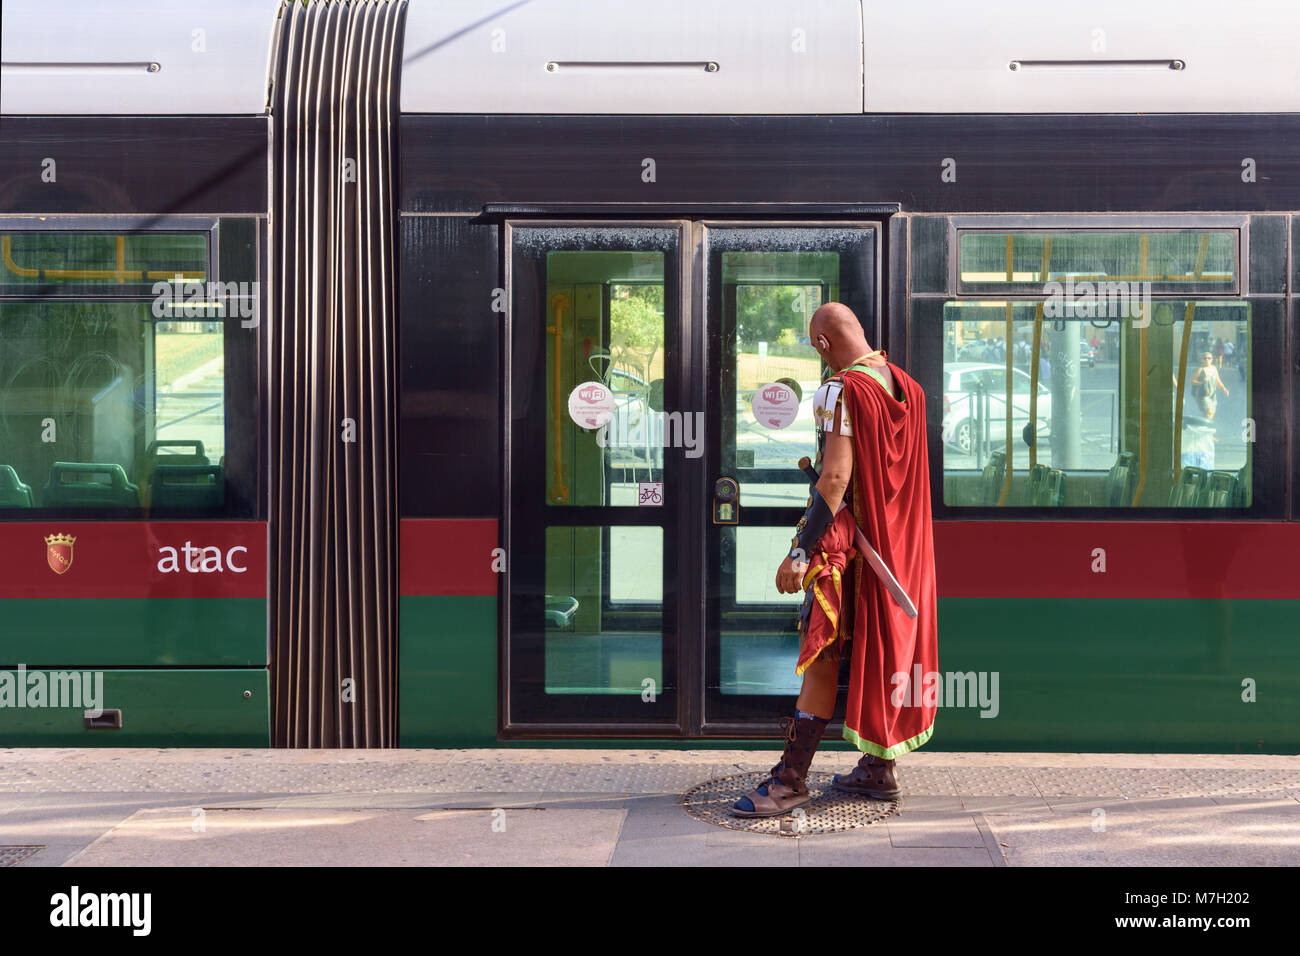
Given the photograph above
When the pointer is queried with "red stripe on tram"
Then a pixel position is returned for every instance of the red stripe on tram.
(448, 556)
(1063, 559)
(133, 559)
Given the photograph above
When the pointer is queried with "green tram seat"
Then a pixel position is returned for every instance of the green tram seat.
(1121, 482)
(992, 476)
(1222, 490)
(89, 485)
(1035, 484)
(13, 493)
(187, 486)
(560, 611)
(1051, 494)
(1190, 491)
(1243, 485)
(189, 452)
(195, 456)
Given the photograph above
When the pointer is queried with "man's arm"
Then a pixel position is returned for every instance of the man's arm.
(837, 467)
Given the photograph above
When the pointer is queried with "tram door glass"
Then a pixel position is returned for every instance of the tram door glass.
(594, 498)
(764, 282)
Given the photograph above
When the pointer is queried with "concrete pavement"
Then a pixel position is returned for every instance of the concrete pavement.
(620, 807)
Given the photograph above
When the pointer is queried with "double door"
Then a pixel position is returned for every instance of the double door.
(660, 389)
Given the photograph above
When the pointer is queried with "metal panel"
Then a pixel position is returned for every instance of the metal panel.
(1061, 163)
(135, 56)
(451, 464)
(622, 56)
(333, 375)
(1084, 56)
(160, 707)
(114, 165)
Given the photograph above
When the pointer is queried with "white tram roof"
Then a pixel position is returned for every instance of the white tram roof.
(87, 57)
(93, 57)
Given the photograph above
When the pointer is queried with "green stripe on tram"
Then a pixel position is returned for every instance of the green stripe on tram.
(95, 632)
(447, 656)
(1114, 675)
(1122, 675)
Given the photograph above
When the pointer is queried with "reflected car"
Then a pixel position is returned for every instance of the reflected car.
(1087, 354)
(973, 352)
(962, 382)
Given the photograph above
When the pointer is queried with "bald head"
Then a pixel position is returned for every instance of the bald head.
(836, 325)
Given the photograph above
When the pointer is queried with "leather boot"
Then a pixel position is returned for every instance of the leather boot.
(873, 776)
(785, 788)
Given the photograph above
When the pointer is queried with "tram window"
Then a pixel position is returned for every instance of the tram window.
(108, 385)
(1172, 262)
(1094, 410)
(105, 262)
(112, 396)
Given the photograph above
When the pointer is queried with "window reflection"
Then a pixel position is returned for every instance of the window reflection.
(1086, 396)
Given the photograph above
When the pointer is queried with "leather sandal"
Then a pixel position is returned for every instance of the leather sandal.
(872, 776)
(784, 788)
(773, 798)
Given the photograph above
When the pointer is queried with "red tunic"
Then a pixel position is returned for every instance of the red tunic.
(891, 705)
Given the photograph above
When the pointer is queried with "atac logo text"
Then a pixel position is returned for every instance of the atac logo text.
(58, 552)
(194, 559)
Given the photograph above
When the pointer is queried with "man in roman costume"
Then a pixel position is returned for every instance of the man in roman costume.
(874, 479)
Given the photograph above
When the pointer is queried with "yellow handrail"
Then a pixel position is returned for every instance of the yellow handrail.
(1006, 478)
(1007, 335)
(559, 490)
(121, 273)
(1033, 358)
(1188, 313)
(1142, 413)
(1142, 390)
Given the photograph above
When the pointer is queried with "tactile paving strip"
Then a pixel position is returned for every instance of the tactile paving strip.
(829, 811)
(12, 855)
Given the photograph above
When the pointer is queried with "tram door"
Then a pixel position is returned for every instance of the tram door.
(660, 395)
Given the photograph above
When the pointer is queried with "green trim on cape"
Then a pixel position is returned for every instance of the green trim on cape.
(875, 374)
(887, 753)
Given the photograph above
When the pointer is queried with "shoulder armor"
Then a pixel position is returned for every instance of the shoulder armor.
(828, 399)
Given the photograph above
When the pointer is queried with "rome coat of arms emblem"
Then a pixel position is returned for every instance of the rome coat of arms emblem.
(58, 552)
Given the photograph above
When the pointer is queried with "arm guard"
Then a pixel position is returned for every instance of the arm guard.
(813, 524)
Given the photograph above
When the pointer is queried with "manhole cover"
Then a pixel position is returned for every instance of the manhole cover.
(829, 811)
(11, 855)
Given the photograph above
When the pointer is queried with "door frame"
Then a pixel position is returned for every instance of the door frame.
(509, 728)
(879, 225)
(694, 327)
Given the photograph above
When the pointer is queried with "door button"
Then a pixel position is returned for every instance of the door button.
(726, 501)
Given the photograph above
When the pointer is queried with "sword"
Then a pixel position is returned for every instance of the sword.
(876, 562)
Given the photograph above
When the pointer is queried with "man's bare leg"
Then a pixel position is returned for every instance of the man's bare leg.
(785, 788)
(820, 687)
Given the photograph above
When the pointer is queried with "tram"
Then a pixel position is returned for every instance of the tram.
(300, 304)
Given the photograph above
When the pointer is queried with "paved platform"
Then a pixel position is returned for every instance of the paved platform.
(620, 808)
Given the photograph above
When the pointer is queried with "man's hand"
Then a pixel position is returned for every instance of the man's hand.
(789, 576)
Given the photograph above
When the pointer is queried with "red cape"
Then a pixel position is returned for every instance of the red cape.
(892, 701)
